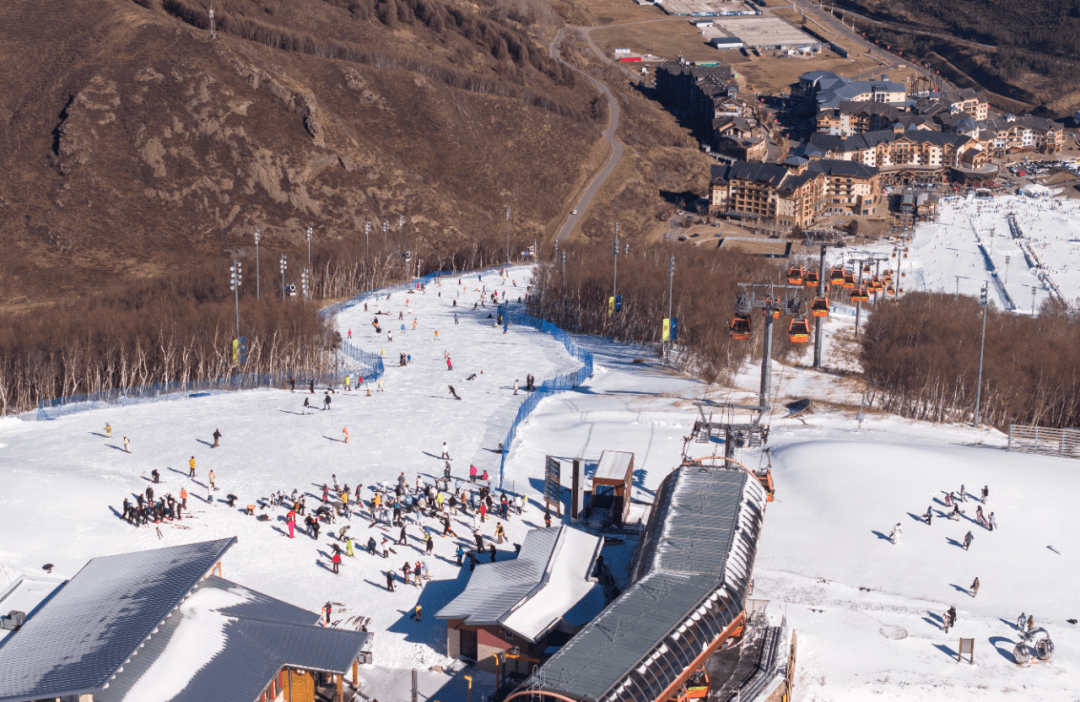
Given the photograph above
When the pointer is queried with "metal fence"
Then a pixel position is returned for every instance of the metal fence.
(549, 387)
(1046, 441)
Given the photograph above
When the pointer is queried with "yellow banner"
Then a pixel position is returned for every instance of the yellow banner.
(610, 306)
(666, 336)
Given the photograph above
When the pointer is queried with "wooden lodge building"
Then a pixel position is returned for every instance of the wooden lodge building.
(164, 626)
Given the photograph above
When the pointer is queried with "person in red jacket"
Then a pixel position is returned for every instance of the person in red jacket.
(290, 521)
(336, 560)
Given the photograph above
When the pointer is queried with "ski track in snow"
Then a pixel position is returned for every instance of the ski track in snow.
(835, 488)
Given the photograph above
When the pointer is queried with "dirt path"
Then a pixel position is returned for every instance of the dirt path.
(601, 176)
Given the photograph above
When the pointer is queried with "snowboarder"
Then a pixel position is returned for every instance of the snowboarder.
(155, 475)
(217, 438)
(127, 445)
(108, 430)
(326, 401)
(307, 406)
(453, 392)
(975, 588)
(515, 386)
(967, 540)
(191, 467)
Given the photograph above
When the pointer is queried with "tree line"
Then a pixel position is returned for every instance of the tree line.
(180, 327)
(921, 356)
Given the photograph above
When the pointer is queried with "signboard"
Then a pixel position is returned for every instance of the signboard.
(618, 303)
(239, 350)
(553, 484)
(674, 328)
(666, 334)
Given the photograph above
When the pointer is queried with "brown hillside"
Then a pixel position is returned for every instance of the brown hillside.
(132, 142)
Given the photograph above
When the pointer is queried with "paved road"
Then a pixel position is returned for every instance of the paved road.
(586, 197)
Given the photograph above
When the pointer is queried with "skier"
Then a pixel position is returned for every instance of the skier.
(336, 560)
(155, 475)
(327, 609)
(950, 618)
(492, 549)
(402, 538)
(290, 522)
(500, 534)
(407, 572)
(445, 451)
(459, 554)
(191, 467)
(948, 499)
(183, 497)
(127, 445)
(955, 514)
(963, 494)
(348, 383)
(217, 438)
(453, 392)
(993, 522)
(345, 431)
(975, 588)
(483, 512)
(517, 504)
(967, 540)
(449, 364)
(929, 514)
(350, 333)
(1020, 622)
(390, 580)
(108, 430)
(985, 493)
(307, 406)
(326, 401)
(515, 386)
(371, 545)
(472, 474)
(429, 543)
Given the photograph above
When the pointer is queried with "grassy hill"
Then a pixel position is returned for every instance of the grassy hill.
(132, 143)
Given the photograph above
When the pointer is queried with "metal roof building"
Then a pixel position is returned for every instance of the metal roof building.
(529, 594)
(156, 625)
(689, 584)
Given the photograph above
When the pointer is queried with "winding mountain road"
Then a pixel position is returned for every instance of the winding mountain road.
(597, 181)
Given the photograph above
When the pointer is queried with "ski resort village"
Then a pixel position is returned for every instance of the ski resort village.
(478, 505)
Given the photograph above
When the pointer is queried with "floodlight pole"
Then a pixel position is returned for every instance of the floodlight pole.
(234, 283)
(858, 303)
(258, 296)
(983, 300)
(508, 236)
(284, 263)
(367, 253)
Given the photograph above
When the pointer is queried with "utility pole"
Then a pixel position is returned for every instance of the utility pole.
(284, 263)
(367, 253)
(670, 288)
(615, 280)
(564, 285)
(258, 296)
(817, 320)
(305, 288)
(508, 236)
(385, 227)
(983, 302)
(1034, 290)
(234, 284)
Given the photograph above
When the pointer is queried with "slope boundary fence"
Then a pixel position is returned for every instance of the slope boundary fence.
(1046, 441)
(562, 383)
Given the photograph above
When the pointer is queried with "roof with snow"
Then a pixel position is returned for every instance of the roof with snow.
(154, 626)
(689, 583)
(79, 640)
(613, 466)
(529, 594)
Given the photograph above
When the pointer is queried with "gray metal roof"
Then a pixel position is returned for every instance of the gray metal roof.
(689, 583)
(261, 635)
(86, 632)
(495, 588)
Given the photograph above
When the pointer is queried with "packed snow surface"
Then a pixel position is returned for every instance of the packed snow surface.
(840, 491)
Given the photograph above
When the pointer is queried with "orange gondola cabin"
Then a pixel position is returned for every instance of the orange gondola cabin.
(820, 308)
(799, 331)
(740, 327)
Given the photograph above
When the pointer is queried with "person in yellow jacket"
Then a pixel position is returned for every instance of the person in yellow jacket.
(191, 467)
